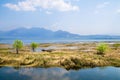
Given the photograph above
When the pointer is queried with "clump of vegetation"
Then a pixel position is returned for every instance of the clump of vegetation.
(34, 46)
(116, 45)
(18, 44)
(102, 48)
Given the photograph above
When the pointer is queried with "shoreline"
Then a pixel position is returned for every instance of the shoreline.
(64, 41)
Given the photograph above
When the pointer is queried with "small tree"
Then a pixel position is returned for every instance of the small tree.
(102, 48)
(116, 45)
(34, 46)
(18, 44)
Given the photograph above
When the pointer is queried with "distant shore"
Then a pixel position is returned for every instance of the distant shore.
(66, 55)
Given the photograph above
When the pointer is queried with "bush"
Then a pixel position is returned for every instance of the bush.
(116, 45)
(102, 48)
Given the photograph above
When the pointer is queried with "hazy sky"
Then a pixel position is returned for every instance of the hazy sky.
(76, 16)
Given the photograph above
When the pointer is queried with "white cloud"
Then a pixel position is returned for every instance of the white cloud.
(77, 0)
(32, 5)
(15, 7)
(99, 7)
(105, 4)
(48, 12)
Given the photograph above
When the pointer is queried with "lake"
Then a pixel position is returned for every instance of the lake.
(28, 41)
(98, 73)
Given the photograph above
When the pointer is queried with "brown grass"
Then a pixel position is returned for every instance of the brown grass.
(69, 59)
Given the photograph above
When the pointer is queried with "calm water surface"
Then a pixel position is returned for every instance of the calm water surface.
(106, 73)
(10, 41)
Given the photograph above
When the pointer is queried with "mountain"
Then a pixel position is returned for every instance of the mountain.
(42, 33)
(38, 33)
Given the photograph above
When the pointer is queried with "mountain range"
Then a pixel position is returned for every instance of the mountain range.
(37, 33)
(43, 33)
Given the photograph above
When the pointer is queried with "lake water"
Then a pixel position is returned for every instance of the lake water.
(102, 73)
(27, 41)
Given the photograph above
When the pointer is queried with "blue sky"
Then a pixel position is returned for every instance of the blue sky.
(83, 17)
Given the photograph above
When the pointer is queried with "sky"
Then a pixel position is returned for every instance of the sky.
(84, 17)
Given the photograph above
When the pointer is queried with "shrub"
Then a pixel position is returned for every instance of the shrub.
(18, 44)
(102, 48)
(116, 45)
(34, 45)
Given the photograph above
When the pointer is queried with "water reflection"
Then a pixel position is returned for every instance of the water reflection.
(109, 73)
(39, 49)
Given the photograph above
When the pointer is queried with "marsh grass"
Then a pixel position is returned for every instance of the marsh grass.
(116, 45)
(69, 59)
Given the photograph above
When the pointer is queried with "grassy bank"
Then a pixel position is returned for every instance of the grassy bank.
(69, 59)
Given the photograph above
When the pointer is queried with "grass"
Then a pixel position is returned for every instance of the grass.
(66, 59)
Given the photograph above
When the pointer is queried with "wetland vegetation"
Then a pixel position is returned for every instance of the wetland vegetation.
(65, 55)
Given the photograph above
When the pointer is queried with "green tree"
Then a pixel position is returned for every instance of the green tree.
(102, 48)
(18, 44)
(34, 46)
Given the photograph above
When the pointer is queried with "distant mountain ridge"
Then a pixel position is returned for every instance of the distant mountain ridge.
(43, 33)
(38, 32)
